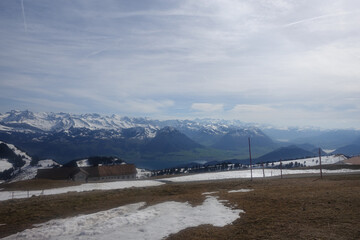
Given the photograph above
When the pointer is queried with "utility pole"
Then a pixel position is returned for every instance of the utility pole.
(320, 163)
(250, 159)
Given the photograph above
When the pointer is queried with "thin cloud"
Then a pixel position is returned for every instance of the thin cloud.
(23, 15)
(251, 108)
(207, 107)
(306, 20)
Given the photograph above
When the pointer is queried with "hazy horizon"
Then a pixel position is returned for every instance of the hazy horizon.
(280, 62)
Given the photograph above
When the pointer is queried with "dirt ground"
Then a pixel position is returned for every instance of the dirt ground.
(290, 208)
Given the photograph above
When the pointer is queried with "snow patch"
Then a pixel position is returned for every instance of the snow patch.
(240, 190)
(83, 163)
(142, 173)
(257, 173)
(4, 165)
(131, 222)
(314, 161)
(5, 195)
(209, 193)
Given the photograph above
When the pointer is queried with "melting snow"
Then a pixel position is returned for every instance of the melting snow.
(5, 195)
(240, 190)
(257, 173)
(131, 222)
(314, 161)
(209, 193)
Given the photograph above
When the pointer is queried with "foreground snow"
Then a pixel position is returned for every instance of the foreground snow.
(5, 195)
(257, 173)
(131, 222)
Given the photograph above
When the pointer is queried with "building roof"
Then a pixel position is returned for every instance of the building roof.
(117, 170)
(57, 173)
(98, 171)
(353, 160)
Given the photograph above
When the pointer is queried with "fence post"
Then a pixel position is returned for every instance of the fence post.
(250, 159)
(320, 163)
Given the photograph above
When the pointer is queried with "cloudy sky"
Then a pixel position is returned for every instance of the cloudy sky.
(282, 62)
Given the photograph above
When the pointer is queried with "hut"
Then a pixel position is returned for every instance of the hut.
(96, 173)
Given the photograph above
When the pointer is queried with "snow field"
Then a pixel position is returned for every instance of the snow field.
(257, 173)
(314, 161)
(5, 195)
(131, 222)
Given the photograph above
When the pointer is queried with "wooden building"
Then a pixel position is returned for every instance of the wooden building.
(85, 174)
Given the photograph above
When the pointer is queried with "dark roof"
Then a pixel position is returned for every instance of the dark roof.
(98, 171)
(113, 170)
(57, 173)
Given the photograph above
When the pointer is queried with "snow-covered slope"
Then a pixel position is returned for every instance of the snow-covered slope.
(18, 152)
(29, 172)
(26, 171)
(314, 161)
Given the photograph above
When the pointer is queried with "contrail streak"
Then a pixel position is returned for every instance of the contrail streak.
(319, 17)
(23, 14)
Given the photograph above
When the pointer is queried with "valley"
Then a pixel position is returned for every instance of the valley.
(156, 144)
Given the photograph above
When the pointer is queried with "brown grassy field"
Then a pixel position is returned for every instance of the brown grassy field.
(290, 208)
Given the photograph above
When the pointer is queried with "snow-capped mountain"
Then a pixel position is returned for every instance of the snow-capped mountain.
(48, 122)
(204, 131)
(26, 121)
(65, 136)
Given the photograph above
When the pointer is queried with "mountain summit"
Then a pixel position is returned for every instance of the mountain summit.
(238, 139)
(168, 139)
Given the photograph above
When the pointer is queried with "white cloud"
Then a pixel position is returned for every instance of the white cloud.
(207, 107)
(251, 108)
(146, 106)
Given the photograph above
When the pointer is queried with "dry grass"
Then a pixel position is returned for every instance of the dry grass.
(294, 208)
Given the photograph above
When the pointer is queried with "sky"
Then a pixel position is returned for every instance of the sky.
(279, 62)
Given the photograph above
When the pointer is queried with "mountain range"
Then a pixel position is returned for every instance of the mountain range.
(153, 143)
